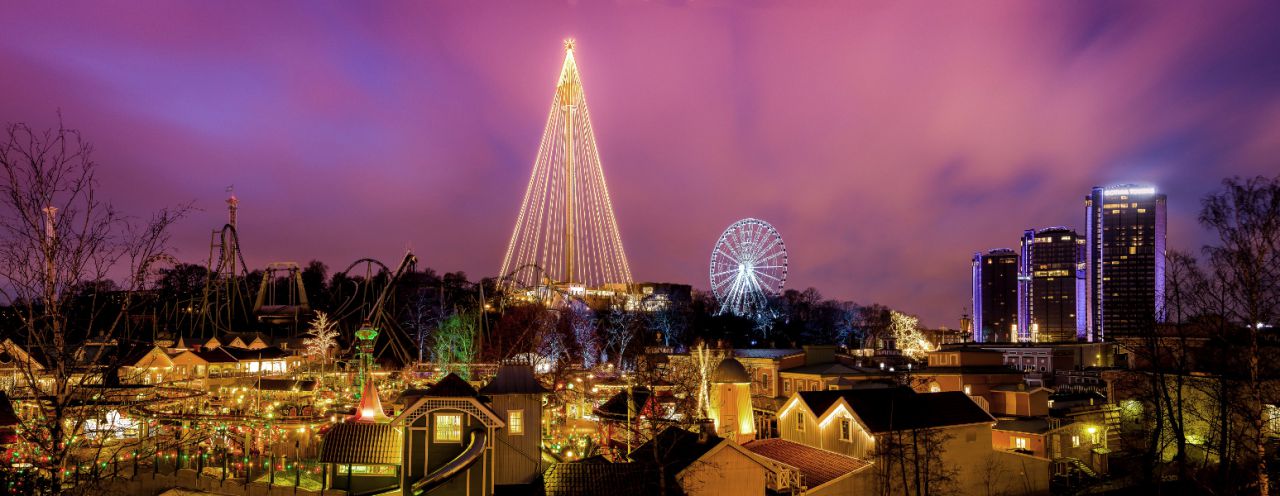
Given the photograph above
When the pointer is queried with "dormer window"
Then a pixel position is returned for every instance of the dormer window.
(799, 421)
(846, 429)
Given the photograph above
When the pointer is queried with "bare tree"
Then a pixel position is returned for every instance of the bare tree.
(1245, 215)
(55, 234)
(620, 331)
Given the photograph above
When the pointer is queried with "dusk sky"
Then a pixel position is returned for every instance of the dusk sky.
(886, 141)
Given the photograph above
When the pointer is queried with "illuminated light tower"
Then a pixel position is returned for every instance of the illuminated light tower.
(365, 338)
(566, 233)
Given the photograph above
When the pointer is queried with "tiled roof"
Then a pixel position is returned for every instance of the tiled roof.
(363, 443)
(595, 476)
(894, 409)
(514, 379)
(772, 353)
(451, 386)
(818, 466)
(833, 369)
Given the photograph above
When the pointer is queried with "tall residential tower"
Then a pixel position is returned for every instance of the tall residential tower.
(1126, 251)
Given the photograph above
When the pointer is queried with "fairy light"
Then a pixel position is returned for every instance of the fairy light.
(566, 230)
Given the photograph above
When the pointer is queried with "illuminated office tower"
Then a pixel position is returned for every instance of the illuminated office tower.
(1126, 259)
(1052, 291)
(995, 295)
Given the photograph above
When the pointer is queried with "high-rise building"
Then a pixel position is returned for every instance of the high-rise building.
(995, 295)
(1126, 259)
(1052, 290)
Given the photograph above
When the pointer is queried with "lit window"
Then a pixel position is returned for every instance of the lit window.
(448, 427)
(786, 385)
(846, 429)
(515, 422)
(968, 390)
(1020, 442)
(1075, 441)
(799, 421)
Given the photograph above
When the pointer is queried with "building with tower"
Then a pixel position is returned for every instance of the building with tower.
(1126, 252)
(730, 402)
(995, 295)
(1052, 291)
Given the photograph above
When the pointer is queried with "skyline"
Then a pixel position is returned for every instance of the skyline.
(424, 136)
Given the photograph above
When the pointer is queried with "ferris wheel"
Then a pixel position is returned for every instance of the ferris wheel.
(748, 264)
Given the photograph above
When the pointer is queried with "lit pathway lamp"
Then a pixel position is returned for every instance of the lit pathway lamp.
(365, 338)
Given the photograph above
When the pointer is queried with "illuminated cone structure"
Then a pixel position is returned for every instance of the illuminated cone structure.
(566, 234)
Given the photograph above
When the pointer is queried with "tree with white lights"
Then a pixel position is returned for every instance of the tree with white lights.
(906, 333)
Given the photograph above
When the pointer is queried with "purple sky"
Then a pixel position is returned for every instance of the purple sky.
(886, 142)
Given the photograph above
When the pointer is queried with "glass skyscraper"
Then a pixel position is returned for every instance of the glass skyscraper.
(1052, 290)
(1126, 251)
(995, 295)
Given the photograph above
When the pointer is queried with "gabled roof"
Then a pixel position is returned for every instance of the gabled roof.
(214, 355)
(514, 379)
(268, 353)
(818, 466)
(894, 409)
(833, 369)
(451, 386)
(362, 443)
(676, 448)
(615, 408)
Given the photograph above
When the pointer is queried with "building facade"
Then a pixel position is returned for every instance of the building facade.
(1052, 290)
(1126, 252)
(995, 295)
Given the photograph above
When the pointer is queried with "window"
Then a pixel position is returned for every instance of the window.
(448, 427)
(799, 421)
(1075, 441)
(968, 390)
(1020, 443)
(515, 422)
(846, 429)
(786, 385)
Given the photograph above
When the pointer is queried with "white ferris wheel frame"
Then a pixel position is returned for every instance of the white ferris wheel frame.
(748, 264)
